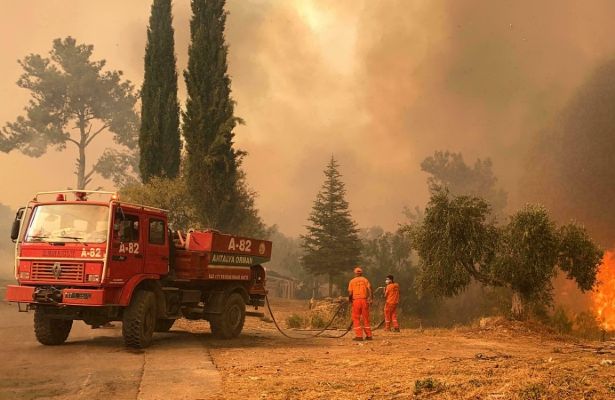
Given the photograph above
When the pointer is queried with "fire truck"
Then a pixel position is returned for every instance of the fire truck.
(89, 256)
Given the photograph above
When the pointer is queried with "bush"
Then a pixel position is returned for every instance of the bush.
(428, 384)
(586, 326)
(317, 321)
(294, 321)
(560, 321)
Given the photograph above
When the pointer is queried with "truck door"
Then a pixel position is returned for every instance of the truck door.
(126, 247)
(156, 253)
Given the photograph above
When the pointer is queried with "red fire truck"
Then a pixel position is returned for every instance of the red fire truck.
(106, 260)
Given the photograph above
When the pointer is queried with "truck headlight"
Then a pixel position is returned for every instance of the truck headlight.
(24, 275)
(93, 278)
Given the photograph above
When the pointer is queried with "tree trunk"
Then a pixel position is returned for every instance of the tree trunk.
(518, 308)
(83, 142)
(81, 168)
(315, 288)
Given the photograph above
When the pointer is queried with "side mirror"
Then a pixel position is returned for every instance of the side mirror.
(17, 224)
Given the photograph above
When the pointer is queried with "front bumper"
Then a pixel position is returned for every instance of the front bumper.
(66, 296)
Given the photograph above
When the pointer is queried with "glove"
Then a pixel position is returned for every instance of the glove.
(350, 298)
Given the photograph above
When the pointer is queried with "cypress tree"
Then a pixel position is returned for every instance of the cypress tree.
(331, 244)
(212, 164)
(159, 141)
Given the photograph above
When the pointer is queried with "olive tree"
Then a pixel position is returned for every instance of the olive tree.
(458, 242)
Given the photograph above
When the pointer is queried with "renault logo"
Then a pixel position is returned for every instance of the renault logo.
(57, 270)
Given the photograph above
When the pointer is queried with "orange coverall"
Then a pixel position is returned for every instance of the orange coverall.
(361, 291)
(391, 294)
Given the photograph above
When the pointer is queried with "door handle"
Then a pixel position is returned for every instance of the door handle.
(138, 255)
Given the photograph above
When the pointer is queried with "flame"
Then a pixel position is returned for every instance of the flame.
(603, 295)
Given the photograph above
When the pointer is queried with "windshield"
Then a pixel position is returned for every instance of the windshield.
(68, 223)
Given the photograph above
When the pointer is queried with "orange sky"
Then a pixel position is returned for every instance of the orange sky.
(379, 84)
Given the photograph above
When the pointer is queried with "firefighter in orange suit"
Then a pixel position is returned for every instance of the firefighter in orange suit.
(360, 296)
(391, 296)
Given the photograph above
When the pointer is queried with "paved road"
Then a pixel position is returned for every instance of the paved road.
(95, 364)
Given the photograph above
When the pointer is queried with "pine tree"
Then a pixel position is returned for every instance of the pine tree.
(73, 101)
(212, 165)
(159, 140)
(332, 244)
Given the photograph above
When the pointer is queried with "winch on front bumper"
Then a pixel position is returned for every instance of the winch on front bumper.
(54, 295)
(44, 294)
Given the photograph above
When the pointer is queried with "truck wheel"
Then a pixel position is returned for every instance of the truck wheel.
(229, 323)
(139, 320)
(163, 325)
(50, 331)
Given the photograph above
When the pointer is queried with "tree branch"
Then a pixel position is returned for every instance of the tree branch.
(89, 175)
(483, 278)
(95, 134)
(73, 141)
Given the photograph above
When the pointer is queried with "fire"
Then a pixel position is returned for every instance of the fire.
(603, 295)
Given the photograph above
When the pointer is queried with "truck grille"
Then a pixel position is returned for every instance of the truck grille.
(49, 271)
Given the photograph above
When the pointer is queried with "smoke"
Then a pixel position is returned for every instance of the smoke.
(380, 85)
(572, 165)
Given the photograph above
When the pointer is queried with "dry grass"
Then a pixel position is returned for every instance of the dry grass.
(501, 360)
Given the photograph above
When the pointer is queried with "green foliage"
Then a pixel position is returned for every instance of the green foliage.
(173, 195)
(246, 220)
(212, 164)
(449, 170)
(73, 101)
(578, 255)
(317, 321)
(294, 321)
(159, 139)
(455, 243)
(331, 245)
(428, 385)
(165, 193)
(527, 253)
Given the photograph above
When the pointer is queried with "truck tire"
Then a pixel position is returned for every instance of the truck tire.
(163, 325)
(50, 331)
(139, 320)
(229, 323)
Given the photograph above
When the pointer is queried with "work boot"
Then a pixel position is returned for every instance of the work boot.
(358, 339)
(369, 338)
(396, 330)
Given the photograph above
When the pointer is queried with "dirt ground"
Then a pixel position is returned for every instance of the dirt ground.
(501, 360)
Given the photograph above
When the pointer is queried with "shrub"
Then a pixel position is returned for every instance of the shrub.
(317, 321)
(586, 326)
(428, 384)
(560, 321)
(294, 321)
(534, 391)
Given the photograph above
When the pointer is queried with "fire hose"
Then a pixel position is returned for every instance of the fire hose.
(319, 332)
